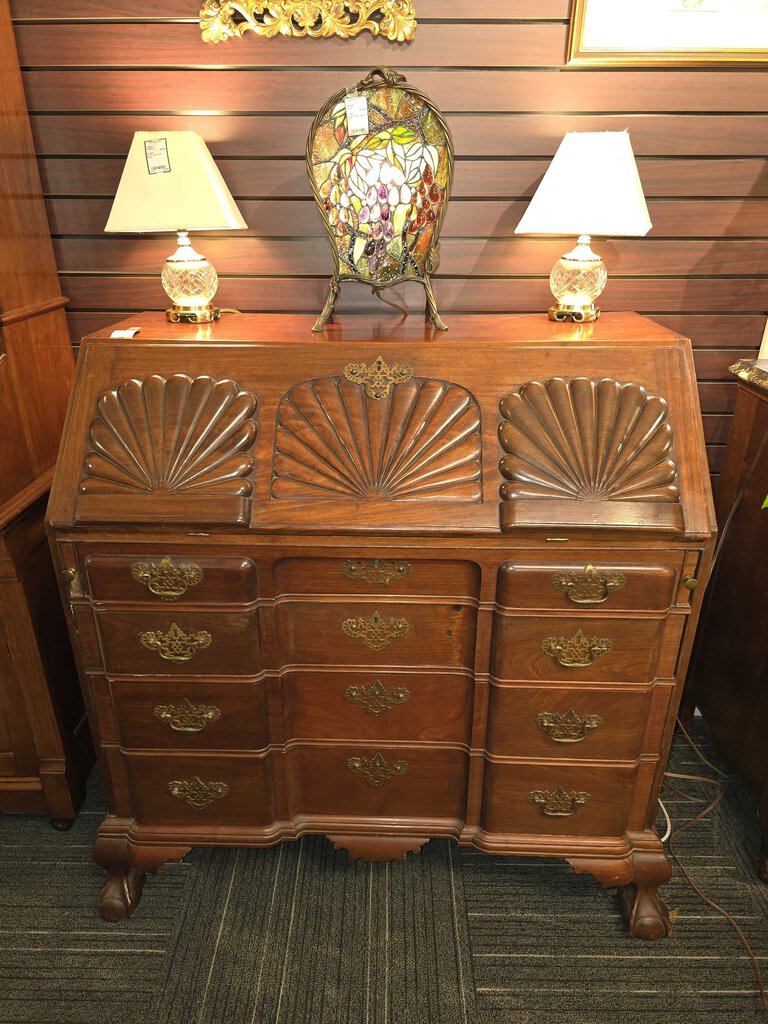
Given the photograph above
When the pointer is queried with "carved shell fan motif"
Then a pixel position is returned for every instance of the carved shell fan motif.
(420, 441)
(586, 438)
(170, 435)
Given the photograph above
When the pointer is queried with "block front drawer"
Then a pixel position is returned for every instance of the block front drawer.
(368, 705)
(567, 587)
(369, 781)
(191, 715)
(593, 722)
(557, 800)
(383, 575)
(162, 641)
(199, 791)
(158, 577)
(573, 648)
(375, 633)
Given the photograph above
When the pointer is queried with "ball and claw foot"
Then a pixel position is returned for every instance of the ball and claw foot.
(62, 824)
(644, 914)
(120, 895)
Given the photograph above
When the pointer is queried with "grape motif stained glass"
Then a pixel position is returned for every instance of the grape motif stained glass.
(382, 195)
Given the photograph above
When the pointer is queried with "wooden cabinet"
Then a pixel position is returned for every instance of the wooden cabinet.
(729, 673)
(384, 587)
(44, 745)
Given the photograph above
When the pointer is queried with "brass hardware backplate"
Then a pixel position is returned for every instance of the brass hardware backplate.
(375, 570)
(176, 645)
(376, 770)
(592, 586)
(557, 803)
(567, 726)
(377, 699)
(196, 792)
(379, 378)
(166, 580)
(186, 716)
(577, 651)
(376, 633)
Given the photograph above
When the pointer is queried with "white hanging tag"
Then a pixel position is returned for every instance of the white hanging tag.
(357, 114)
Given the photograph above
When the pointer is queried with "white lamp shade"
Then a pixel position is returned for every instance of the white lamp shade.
(170, 183)
(592, 187)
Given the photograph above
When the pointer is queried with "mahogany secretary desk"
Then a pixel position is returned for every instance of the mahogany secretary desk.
(384, 585)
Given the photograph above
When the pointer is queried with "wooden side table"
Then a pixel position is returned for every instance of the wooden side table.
(729, 673)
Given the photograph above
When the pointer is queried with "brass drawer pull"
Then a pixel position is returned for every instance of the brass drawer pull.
(166, 580)
(567, 726)
(377, 699)
(589, 587)
(577, 651)
(196, 792)
(376, 632)
(375, 570)
(376, 770)
(187, 717)
(176, 645)
(557, 803)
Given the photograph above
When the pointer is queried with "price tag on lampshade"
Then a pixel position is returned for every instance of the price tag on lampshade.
(158, 161)
(357, 114)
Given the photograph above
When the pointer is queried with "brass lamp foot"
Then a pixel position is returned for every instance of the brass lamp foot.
(579, 314)
(192, 314)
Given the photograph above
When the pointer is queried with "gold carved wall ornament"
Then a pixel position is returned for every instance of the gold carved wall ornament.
(557, 803)
(376, 770)
(186, 716)
(166, 580)
(379, 378)
(377, 699)
(227, 19)
(377, 632)
(375, 570)
(176, 645)
(567, 726)
(196, 792)
(577, 651)
(592, 586)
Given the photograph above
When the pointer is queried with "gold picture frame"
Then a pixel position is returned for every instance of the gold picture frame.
(660, 33)
(319, 19)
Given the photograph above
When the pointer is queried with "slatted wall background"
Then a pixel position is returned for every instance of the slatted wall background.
(95, 72)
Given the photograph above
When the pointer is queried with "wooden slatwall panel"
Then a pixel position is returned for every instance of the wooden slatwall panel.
(96, 73)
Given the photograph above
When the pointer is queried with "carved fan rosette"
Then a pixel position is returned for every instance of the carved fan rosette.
(599, 449)
(376, 435)
(174, 449)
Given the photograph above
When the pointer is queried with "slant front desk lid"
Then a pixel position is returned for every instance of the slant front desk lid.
(507, 423)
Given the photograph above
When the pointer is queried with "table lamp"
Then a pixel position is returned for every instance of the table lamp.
(170, 183)
(591, 188)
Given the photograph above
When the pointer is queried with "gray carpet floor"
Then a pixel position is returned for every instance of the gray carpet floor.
(299, 935)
